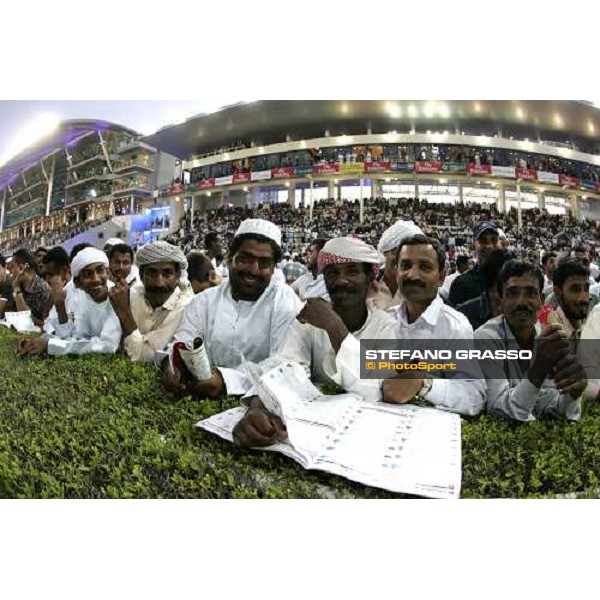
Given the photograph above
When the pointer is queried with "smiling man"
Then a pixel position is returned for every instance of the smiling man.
(248, 314)
(95, 327)
(325, 337)
(553, 380)
(150, 313)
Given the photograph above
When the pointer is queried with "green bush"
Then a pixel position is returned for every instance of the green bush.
(101, 427)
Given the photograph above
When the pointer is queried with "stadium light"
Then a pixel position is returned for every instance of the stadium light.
(42, 125)
(429, 110)
(412, 111)
(93, 193)
(394, 110)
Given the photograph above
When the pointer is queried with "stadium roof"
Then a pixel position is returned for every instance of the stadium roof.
(66, 133)
(266, 121)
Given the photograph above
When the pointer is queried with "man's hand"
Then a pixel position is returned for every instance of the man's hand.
(172, 380)
(213, 387)
(32, 347)
(119, 297)
(17, 271)
(258, 427)
(59, 294)
(570, 377)
(401, 389)
(552, 347)
(319, 313)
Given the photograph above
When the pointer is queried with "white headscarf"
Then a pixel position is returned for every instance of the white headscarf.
(87, 257)
(394, 235)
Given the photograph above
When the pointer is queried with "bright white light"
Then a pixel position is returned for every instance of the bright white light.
(394, 111)
(429, 110)
(93, 193)
(39, 127)
(444, 111)
(412, 111)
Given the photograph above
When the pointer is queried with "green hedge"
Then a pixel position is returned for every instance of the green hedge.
(101, 427)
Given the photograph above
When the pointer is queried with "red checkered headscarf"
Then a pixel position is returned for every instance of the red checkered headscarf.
(349, 250)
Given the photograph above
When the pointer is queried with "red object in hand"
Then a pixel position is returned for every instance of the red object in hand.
(543, 314)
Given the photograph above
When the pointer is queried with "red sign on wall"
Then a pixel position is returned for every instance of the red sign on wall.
(325, 169)
(378, 165)
(474, 169)
(428, 166)
(527, 174)
(241, 177)
(567, 181)
(282, 172)
(206, 183)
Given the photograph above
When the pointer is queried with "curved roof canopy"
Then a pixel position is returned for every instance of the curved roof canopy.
(65, 134)
(266, 121)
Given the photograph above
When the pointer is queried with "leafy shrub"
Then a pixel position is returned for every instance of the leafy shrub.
(102, 427)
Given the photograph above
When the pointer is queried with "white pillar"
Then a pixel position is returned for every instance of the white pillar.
(519, 215)
(311, 200)
(132, 205)
(460, 192)
(291, 195)
(50, 186)
(2, 211)
(502, 198)
(330, 189)
(575, 207)
(541, 200)
(362, 202)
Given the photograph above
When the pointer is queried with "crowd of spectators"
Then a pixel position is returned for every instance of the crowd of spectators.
(452, 224)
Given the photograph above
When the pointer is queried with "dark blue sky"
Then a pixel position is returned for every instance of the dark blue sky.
(145, 116)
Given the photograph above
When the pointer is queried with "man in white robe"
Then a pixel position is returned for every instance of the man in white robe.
(247, 315)
(95, 327)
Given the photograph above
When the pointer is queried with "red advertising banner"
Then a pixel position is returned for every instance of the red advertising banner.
(428, 166)
(206, 183)
(378, 165)
(282, 172)
(598, 186)
(474, 169)
(176, 188)
(568, 181)
(527, 174)
(325, 169)
(241, 177)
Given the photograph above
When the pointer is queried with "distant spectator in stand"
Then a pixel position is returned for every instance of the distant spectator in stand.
(312, 284)
(213, 248)
(548, 266)
(201, 272)
(463, 264)
(488, 305)
(120, 257)
(468, 286)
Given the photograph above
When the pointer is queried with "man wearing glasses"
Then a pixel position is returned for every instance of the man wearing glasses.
(248, 314)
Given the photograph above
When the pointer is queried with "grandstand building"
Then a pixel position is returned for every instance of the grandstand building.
(84, 171)
(530, 154)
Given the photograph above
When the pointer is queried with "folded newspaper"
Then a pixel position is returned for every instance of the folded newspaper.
(194, 357)
(405, 449)
(21, 321)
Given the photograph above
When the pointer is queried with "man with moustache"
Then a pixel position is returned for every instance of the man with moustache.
(150, 313)
(247, 315)
(325, 337)
(553, 380)
(422, 315)
(95, 327)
